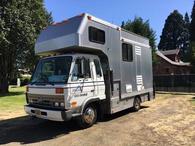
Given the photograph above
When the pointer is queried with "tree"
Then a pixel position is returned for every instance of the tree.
(141, 27)
(187, 20)
(175, 34)
(192, 38)
(20, 23)
(123, 24)
(186, 51)
(192, 59)
(192, 24)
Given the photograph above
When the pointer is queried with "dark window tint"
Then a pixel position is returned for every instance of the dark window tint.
(127, 52)
(97, 68)
(96, 35)
(86, 65)
(78, 68)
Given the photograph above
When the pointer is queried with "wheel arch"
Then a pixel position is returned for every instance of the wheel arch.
(94, 101)
(139, 97)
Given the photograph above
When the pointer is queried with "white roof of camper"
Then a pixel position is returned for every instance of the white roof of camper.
(65, 34)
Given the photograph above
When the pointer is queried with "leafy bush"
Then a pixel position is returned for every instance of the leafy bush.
(24, 80)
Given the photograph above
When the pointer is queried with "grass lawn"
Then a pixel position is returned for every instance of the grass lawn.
(193, 102)
(14, 100)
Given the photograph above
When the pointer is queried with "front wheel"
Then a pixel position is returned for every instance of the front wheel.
(136, 104)
(88, 117)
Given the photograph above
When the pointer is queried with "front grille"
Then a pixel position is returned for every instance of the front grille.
(42, 102)
(45, 100)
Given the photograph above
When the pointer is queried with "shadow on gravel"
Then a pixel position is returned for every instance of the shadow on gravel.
(28, 130)
(192, 101)
(120, 114)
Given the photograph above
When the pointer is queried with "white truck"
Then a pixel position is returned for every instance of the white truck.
(89, 68)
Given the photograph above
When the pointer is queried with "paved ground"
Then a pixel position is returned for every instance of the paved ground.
(167, 121)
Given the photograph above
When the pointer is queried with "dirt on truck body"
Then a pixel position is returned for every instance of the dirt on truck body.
(167, 121)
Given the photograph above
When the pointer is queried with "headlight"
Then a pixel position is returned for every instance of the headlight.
(56, 104)
(62, 104)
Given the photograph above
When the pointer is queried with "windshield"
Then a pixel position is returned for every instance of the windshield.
(52, 70)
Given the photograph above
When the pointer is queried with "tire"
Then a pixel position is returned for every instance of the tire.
(136, 104)
(88, 118)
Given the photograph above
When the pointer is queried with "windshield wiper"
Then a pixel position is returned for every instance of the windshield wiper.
(32, 83)
(44, 78)
(50, 83)
(41, 83)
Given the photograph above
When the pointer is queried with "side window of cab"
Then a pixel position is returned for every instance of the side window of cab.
(98, 68)
(81, 69)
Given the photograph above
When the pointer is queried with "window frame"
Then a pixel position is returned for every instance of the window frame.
(91, 38)
(127, 52)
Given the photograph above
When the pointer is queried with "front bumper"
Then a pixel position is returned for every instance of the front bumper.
(53, 115)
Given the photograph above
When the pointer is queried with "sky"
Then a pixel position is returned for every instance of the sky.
(116, 11)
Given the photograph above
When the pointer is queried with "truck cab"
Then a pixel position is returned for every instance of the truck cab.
(62, 86)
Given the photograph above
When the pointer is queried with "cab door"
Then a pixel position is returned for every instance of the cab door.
(82, 85)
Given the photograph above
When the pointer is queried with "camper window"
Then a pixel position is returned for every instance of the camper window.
(96, 35)
(127, 52)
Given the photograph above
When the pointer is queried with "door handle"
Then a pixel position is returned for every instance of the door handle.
(92, 90)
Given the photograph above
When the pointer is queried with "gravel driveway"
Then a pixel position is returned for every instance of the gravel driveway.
(168, 120)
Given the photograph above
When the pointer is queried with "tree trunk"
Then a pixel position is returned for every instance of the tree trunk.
(4, 86)
(3, 76)
(4, 82)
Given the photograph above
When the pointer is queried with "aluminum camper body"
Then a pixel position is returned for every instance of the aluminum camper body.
(125, 72)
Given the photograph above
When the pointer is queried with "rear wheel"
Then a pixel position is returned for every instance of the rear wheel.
(136, 104)
(88, 117)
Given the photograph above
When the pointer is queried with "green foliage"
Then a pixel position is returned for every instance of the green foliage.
(25, 80)
(175, 34)
(20, 23)
(187, 20)
(193, 56)
(141, 27)
(192, 38)
(192, 24)
(186, 51)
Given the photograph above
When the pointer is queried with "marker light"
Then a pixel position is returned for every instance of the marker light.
(74, 104)
(89, 17)
(59, 90)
